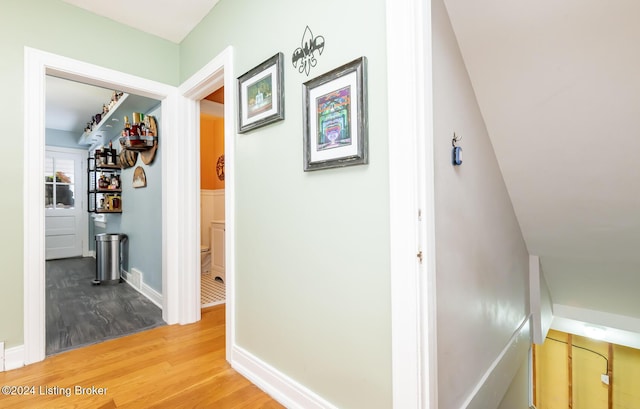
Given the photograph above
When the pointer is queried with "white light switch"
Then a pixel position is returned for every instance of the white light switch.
(605, 379)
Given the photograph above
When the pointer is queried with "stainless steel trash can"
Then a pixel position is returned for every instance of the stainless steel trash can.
(109, 257)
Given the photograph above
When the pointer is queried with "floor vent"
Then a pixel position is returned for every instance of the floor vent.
(135, 278)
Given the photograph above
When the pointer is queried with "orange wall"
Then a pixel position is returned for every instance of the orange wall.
(211, 147)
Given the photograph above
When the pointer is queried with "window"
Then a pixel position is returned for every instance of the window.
(59, 183)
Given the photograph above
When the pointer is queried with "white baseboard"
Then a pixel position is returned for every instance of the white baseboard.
(14, 358)
(154, 296)
(90, 253)
(135, 279)
(279, 386)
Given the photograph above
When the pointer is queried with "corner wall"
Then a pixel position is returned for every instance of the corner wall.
(57, 27)
(141, 218)
(482, 261)
(312, 248)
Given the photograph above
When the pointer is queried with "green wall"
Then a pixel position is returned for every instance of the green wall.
(313, 285)
(56, 27)
(312, 249)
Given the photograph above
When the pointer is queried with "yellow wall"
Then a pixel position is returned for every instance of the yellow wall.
(552, 373)
(211, 147)
(588, 390)
(626, 377)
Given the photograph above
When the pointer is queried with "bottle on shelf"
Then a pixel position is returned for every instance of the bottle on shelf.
(102, 182)
(115, 202)
(135, 126)
(111, 155)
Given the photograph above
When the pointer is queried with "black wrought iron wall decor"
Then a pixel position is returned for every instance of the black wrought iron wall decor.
(304, 57)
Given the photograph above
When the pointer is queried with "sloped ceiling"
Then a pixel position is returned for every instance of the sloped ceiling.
(558, 86)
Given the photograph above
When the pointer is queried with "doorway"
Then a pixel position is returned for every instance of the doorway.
(180, 180)
(38, 65)
(212, 192)
(213, 76)
(90, 196)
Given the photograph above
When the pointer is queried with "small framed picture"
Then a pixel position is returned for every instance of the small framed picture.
(261, 95)
(335, 117)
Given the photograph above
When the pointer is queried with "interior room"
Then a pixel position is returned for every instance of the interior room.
(415, 194)
(212, 224)
(98, 289)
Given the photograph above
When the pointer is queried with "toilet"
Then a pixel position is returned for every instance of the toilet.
(205, 259)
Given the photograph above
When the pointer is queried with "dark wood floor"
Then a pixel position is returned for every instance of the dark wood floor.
(79, 313)
(176, 366)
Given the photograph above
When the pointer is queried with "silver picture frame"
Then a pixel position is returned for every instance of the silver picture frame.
(261, 95)
(335, 118)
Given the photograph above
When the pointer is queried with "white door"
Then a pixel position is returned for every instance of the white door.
(217, 249)
(64, 197)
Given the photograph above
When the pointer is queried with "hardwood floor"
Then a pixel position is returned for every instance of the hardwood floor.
(177, 366)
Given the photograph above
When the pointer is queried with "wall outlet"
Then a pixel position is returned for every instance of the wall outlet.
(2, 356)
(605, 379)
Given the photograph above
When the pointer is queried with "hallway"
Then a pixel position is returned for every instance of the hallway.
(177, 366)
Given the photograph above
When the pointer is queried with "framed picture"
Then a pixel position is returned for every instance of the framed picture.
(335, 117)
(261, 95)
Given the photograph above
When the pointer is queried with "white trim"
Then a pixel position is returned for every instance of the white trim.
(37, 64)
(34, 232)
(279, 386)
(602, 318)
(153, 296)
(218, 72)
(496, 380)
(620, 329)
(135, 279)
(14, 358)
(411, 191)
(535, 296)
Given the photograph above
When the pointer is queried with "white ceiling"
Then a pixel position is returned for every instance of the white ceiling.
(558, 86)
(168, 19)
(70, 105)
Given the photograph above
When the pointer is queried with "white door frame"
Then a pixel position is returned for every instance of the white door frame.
(217, 73)
(37, 64)
(412, 229)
